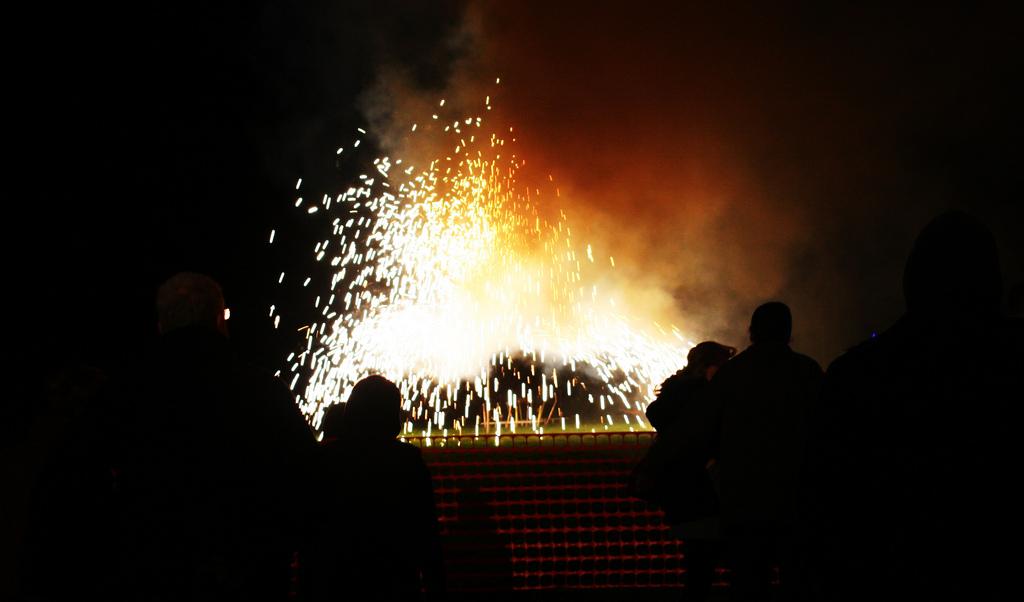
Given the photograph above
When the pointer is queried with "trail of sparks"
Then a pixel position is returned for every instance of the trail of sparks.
(449, 281)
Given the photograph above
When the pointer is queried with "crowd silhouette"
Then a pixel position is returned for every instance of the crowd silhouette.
(193, 476)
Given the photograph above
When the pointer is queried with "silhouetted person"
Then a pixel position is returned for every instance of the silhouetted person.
(702, 362)
(208, 454)
(375, 534)
(751, 420)
(914, 455)
(688, 495)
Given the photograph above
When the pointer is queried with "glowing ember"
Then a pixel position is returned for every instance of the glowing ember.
(447, 280)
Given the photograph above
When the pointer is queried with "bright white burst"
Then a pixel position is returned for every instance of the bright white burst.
(447, 280)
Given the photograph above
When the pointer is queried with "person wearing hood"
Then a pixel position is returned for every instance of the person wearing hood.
(909, 487)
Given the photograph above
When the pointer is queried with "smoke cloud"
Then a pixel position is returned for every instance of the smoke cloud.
(726, 157)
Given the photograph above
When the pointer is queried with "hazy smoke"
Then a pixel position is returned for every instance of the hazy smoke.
(728, 158)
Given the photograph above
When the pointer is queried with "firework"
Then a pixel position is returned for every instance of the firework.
(447, 279)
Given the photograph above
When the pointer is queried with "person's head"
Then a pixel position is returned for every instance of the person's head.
(188, 299)
(953, 269)
(374, 410)
(771, 323)
(331, 424)
(706, 358)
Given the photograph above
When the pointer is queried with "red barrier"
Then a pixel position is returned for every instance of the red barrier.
(548, 512)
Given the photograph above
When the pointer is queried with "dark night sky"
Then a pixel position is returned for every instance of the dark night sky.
(757, 153)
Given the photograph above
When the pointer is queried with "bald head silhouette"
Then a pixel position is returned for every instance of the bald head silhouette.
(188, 299)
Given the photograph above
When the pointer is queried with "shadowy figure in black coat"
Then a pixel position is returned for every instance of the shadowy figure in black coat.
(687, 493)
(208, 454)
(375, 535)
(751, 420)
(913, 462)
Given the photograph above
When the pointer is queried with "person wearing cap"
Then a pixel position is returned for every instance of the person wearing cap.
(702, 362)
